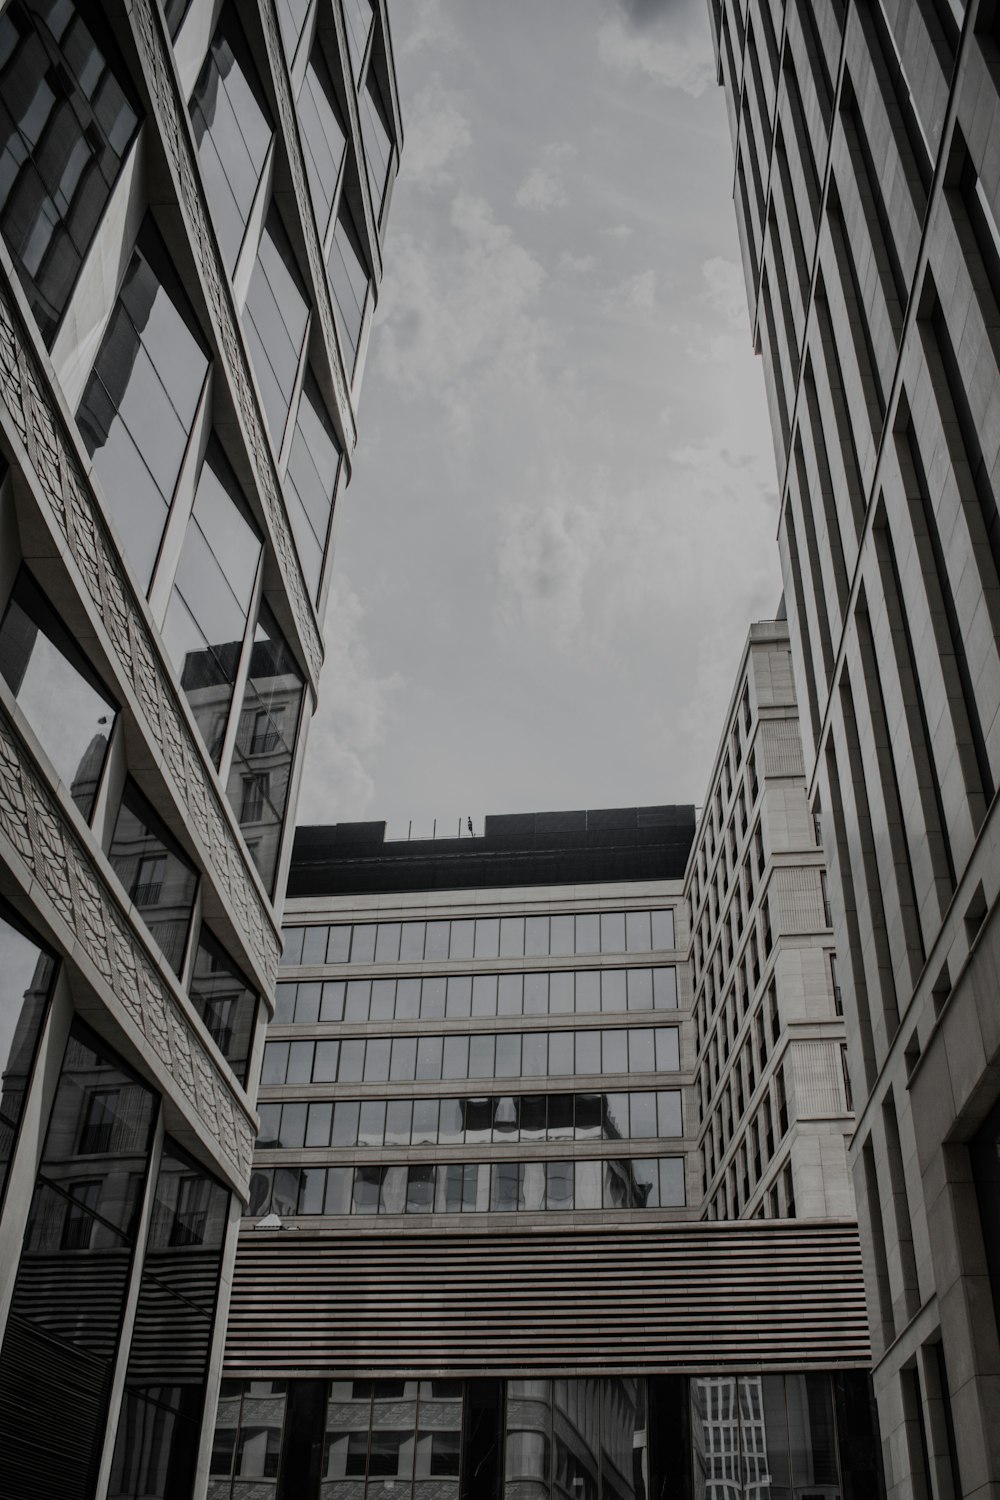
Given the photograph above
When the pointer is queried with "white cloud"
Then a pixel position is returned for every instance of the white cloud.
(429, 27)
(458, 316)
(619, 232)
(726, 288)
(578, 264)
(436, 133)
(637, 292)
(351, 722)
(545, 187)
(677, 62)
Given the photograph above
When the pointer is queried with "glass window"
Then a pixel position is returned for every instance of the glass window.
(436, 940)
(225, 1001)
(376, 1059)
(505, 1120)
(27, 982)
(367, 1189)
(357, 1000)
(359, 15)
(275, 1065)
(614, 1051)
(352, 1060)
(284, 1004)
(158, 877)
(323, 135)
(429, 1057)
(269, 1133)
(398, 1118)
(487, 937)
(588, 933)
(265, 742)
(644, 1184)
(667, 1051)
(561, 1110)
(456, 1057)
(404, 1058)
(669, 1117)
(232, 131)
(346, 1122)
(640, 989)
(312, 1190)
(589, 1110)
(663, 929)
(481, 1052)
(407, 999)
(327, 1056)
(376, 136)
(339, 1185)
(672, 1196)
(637, 932)
(612, 932)
(640, 1049)
(291, 19)
(588, 1052)
(332, 1004)
(275, 316)
(532, 1117)
(561, 938)
(419, 1190)
(508, 1056)
(62, 698)
(412, 943)
(425, 1122)
(478, 1121)
(139, 404)
(307, 1002)
(511, 937)
(292, 951)
(484, 995)
(561, 993)
(371, 1125)
(387, 942)
(536, 936)
(432, 994)
(451, 1125)
(383, 999)
(459, 1002)
(300, 1061)
(314, 943)
(510, 995)
(613, 993)
(560, 1053)
(338, 944)
(642, 1112)
(462, 939)
(665, 989)
(534, 1054)
(349, 282)
(319, 1124)
(508, 1186)
(536, 994)
(588, 991)
(615, 1120)
(293, 1124)
(67, 118)
(363, 943)
(558, 1184)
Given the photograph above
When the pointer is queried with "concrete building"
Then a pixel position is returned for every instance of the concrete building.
(475, 1262)
(867, 190)
(192, 204)
(773, 1093)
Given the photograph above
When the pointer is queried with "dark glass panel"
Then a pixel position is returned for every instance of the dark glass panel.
(274, 321)
(307, 1002)
(507, 1186)
(27, 983)
(67, 116)
(72, 1280)
(349, 281)
(300, 1062)
(139, 404)
(275, 1063)
(589, 1113)
(346, 1122)
(358, 14)
(560, 1117)
(451, 1126)
(398, 1118)
(371, 1123)
(209, 606)
(376, 136)
(293, 1124)
(265, 743)
(157, 876)
(420, 1190)
(323, 135)
(269, 1133)
(225, 1001)
(325, 1065)
(332, 1003)
(62, 698)
(232, 131)
(505, 1119)
(615, 1121)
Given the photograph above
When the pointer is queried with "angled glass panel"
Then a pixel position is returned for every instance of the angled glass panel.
(376, 136)
(25, 988)
(225, 1001)
(206, 619)
(159, 879)
(358, 15)
(323, 136)
(67, 118)
(311, 480)
(349, 281)
(275, 315)
(62, 698)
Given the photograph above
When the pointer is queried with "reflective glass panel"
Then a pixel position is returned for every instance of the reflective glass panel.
(157, 877)
(323, 135)
(27, 982)
(225, 1001)
(349, 282)
(275, 315)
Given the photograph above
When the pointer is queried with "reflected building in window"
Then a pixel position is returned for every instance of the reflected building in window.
(476, 1259)
(181, 372)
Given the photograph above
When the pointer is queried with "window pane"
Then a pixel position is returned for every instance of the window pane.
(613, 994)
(357, 1001)
(612, 932)
(637, 932)
(645, 1177)
(314, 941)
(672, 1196)
(507, 1194)
(560, 1053)
(383, 999)
(663, 929)
(157, 876)
(459, 1002)
(505, 1119)
(387, 942)
(293, 1125)
(536, 994)
(614, 1050)
(588, 1184)
(484, 995)
(561, 939)
(508, 1058)
(532, 1127)
(420, 1189)
(432, 994)
(462, 939)
(588, 991)
(615, 1120)
(411, 948)
(307, 1003)
(407, 999)
(560, 1117)
(640, 1050)
(436, 943)
(536, 936)
(320, 1124)
(429, 1058)
(534, 1054)
(558, 1184)
(511, 937)
(665, 989)
(643, 1115)
(640, 989)
(667, 1052)
(376, 1059)
(363, 943)
(275, 1063)
(588, 933)
(487, 937)
(338, 947)
(367, 1189)
(404, 1057)
(588, 1052)
(371, 1125)
(481, 1050)
(300, 1061)
(589, 1109)
(339, 1182)
(669, 1116)
(225, 1001)
(478, 1121)
(451, 1124)
(269, 1133)
(312, 1190)
(510, 995)
(352, 1061)
(325, 1066)
(561, 994)
(425, 1122)
(398, 1117)
(456, 1057)
(292, 952)
(346, 1122)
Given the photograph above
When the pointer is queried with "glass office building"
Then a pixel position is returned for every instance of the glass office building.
(475, 1261)
(192, 204)
(867, 196)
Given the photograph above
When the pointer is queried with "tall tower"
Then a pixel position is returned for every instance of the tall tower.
(867, 191)
(192, 205)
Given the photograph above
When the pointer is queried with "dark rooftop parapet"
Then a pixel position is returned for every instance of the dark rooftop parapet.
(545, 848)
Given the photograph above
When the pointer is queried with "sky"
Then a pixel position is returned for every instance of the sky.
(563, 510)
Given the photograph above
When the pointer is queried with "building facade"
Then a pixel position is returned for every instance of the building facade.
(867, 191)
(475, 1262)
(773, 1091)
(192, 204)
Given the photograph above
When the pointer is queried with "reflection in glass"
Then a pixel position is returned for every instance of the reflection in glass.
(771, 1436)
(224, 1000)
(349, 281)
(139, 404)
(323, 135)
(209, 606)
(247, 1447)
(275, 315)
(310, 485)
(358, 14)
(157, 876)
(265, 740)
(62, 698)
(67, 117)
(27, 983)
(75, 1263)
(376, 135)
(159, 1427)
(232, 131)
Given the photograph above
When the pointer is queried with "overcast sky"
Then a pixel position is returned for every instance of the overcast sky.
(563, 512)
